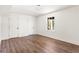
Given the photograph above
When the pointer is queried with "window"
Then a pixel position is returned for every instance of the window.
(50, 23)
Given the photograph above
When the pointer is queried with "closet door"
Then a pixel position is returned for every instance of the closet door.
(14, 26)
(25, 25)
(4, 27)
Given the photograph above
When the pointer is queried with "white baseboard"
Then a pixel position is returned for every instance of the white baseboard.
(68, 41)
(72, 42)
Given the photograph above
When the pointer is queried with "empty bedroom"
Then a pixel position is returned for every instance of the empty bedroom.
(39, 28)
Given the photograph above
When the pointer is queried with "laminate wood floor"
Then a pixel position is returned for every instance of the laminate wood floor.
(36, 44)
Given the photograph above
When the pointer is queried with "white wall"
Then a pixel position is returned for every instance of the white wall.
(66, 25)
(10, 22)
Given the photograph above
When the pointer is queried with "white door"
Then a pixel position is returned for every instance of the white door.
(14, 26)
(25, 25)
(4, 27)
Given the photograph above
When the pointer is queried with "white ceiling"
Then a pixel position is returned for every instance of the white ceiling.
(31, 10)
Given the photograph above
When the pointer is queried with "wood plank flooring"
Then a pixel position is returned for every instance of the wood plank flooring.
(36, 44)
